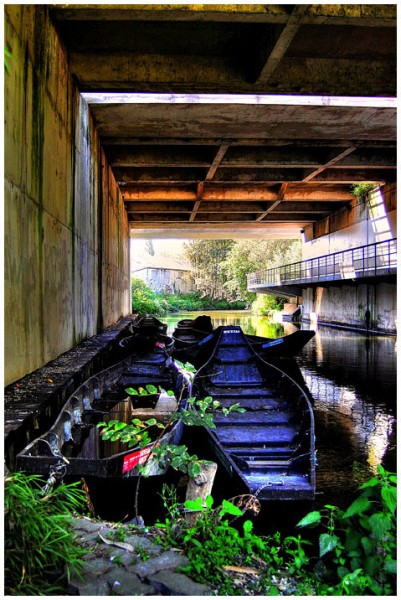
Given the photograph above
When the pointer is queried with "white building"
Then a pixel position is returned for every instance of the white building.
(163, 273)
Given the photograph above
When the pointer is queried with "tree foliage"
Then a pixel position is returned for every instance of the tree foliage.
(222, 265)
(207, 258)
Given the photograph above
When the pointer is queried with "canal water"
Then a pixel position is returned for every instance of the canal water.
(352, 379)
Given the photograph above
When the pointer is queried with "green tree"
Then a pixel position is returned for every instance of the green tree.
(248, 256)
(208, 259)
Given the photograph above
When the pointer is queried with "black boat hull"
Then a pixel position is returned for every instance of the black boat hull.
(74, 442)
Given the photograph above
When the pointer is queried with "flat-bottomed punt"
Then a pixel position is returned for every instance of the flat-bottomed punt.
(192, 345)
(270, 448)
(74, 441)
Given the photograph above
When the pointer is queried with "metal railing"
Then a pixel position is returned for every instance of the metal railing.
(372, 260)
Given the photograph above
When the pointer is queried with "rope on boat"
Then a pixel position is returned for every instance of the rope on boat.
(57, 472)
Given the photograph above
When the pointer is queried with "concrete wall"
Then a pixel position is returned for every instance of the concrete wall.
(65, 226)
(346, 305)
(361, 225)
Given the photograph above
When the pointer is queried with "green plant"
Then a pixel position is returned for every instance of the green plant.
(145, 300)
(40, 548)
(266, 304)
(231, 559)
(358, 546)
(137, 433)
(362, 190)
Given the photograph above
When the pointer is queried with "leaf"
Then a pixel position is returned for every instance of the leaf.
(228, 508)
(389, 496)
(379, 524)
(131, 391)
(196, 505)
(151, 422)
(359, 506)
(370, 483)
(367, 545)
(152, 389)
(390, 566)
(120, 426)
(209, 502)
(248, 526)
(327, 543)
(310, 519)
(194, 469)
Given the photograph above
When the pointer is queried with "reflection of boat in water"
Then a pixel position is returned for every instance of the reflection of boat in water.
(270, 447)
(74, 441)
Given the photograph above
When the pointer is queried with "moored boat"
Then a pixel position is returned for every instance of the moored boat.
(283, 347)
(270, 448)
(138, 343)
(74, 441)
(191, 345)
(148, 324)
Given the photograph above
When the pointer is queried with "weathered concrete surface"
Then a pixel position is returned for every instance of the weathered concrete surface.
(346, 306)
(359, 224)
(66, 241)
(367, 222)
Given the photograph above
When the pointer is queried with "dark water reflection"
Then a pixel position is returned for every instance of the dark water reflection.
(352, 379)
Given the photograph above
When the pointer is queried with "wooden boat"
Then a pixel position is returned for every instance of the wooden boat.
(147, 325)
(74, 441)
(192, 345)
(283, 347)
(270, 448)
(139, 343)
(202, 323)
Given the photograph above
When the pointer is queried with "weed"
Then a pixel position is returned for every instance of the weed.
(40, 548)
(357, 548)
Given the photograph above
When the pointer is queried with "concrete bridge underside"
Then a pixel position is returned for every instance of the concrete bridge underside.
(272, 153)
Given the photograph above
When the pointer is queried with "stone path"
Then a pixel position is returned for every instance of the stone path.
(136, 566)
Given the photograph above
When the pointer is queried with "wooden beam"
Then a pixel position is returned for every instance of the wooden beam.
(280, 48)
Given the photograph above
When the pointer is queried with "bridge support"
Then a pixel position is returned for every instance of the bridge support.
(362, 306)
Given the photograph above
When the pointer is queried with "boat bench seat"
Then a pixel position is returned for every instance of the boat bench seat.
(269, 435)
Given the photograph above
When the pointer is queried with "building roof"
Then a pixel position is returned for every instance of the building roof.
(146, 261)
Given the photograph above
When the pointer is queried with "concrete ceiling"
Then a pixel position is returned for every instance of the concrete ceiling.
(255, 162)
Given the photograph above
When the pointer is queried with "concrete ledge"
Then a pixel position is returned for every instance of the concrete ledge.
(32, 403)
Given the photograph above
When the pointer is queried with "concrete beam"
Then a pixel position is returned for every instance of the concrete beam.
(211, 192)
(284, 40)
(324, 14)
